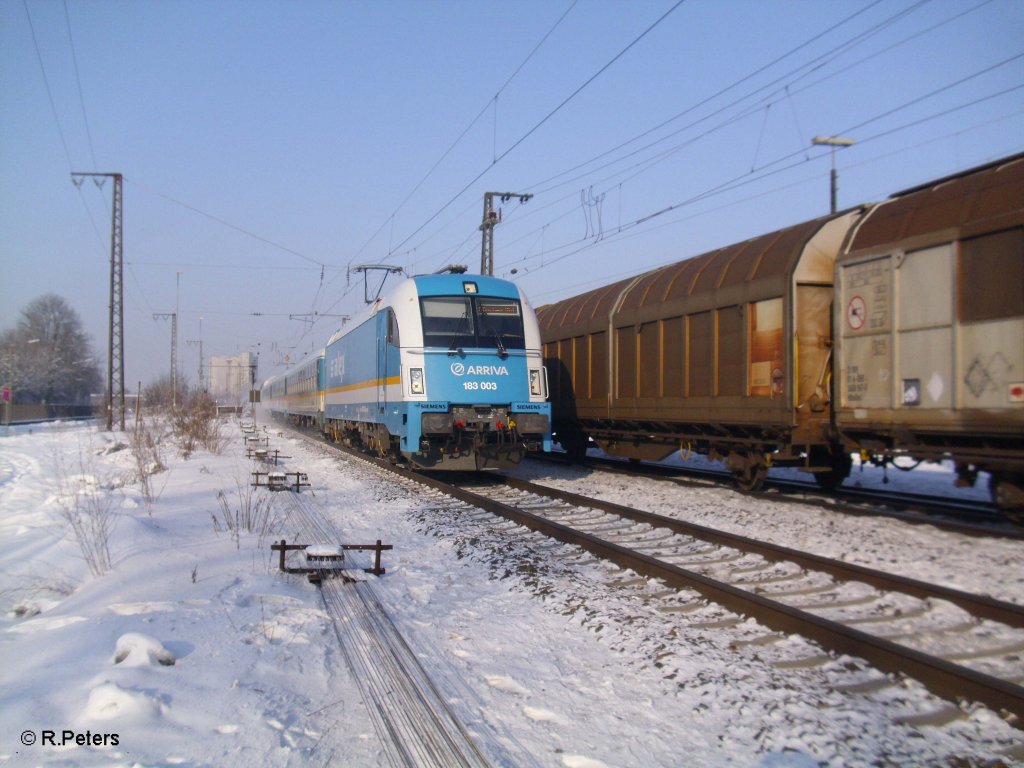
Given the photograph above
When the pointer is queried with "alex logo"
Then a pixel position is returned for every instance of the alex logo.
(460, 369)
(336, 367)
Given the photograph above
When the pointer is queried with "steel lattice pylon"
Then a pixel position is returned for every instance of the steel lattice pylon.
(115, 374)
(115, 350)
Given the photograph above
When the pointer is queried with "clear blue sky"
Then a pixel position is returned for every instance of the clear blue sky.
(267, 146)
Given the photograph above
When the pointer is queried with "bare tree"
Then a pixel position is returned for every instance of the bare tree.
(159, 394)
(48, 357)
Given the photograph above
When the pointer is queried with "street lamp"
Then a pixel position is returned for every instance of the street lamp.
(833, 142)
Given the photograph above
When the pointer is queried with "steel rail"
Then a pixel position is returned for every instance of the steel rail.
(944, 679)
(970, 518)
(981, 606)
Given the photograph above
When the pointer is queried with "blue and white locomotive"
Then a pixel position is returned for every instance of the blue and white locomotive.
(445, 371)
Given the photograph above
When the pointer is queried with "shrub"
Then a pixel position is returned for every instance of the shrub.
(196, 425)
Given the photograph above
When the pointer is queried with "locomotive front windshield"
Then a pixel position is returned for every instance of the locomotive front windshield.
(454, 322)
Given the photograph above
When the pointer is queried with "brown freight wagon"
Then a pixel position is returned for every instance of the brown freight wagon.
(727, 354)
(930, 327)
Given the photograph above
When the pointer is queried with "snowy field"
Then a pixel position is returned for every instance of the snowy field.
(191, 649)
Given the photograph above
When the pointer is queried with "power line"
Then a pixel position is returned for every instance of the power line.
(644, 164)
(247, 267)
(722, 92)
(541, 122)
(229, 225)
(805, 68)
(78, 82)
(757, 176)
(466, 130)
(46, 81)
(796, 73)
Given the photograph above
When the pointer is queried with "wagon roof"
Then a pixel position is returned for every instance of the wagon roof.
(771, 256)
(980, 200)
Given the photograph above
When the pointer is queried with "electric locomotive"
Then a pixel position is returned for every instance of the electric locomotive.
(445, 371)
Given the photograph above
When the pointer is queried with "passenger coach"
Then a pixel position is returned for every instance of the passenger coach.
(298, 394)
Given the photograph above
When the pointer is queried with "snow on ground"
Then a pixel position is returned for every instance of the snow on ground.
(193, 650)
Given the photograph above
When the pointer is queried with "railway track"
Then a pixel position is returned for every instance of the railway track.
(890, 621)
(971, 518)
(854, 637)
(414, 723)
(962, 647)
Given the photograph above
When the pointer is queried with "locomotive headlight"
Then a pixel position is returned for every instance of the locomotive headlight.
(416, 381)
(536, 383)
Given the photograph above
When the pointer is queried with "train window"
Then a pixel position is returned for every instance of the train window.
(501, 323)
(992, 276)
(485, 322)
(393, 338)
(447, 322)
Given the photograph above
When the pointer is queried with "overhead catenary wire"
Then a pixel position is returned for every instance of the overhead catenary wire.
(78, 83)
(49, 91)
(228, 224)
(515, 145)
(708, 99)
(466, 130)
(931, 94)
(799, 71)
(770, 169)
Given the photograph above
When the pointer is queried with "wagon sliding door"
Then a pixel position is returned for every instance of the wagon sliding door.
(813, 345)
(924, 313)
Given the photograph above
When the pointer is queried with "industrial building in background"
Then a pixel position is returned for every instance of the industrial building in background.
(231, 378)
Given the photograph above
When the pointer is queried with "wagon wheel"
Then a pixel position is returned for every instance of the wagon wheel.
(1008, 494)
(749, 473)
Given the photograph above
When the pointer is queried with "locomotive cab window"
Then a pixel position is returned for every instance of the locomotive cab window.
(447, 322)
(477, 321)
(501, 323)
